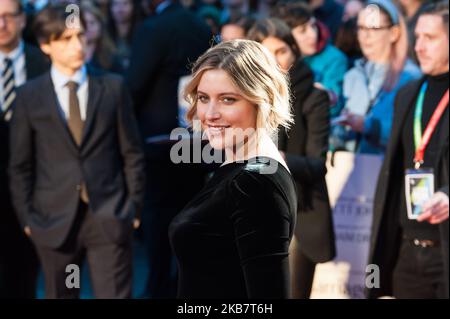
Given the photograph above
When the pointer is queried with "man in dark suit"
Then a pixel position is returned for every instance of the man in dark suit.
(164, 47)
(76, 165)
(413, 255)
(19, 62)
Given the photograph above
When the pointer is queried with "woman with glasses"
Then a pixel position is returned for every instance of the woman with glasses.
(371, 85)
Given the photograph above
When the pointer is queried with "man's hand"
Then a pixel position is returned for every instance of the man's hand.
(27, 231)
(356, 122)
(435, 210)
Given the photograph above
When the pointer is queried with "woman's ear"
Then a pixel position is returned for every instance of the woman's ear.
(395, 33)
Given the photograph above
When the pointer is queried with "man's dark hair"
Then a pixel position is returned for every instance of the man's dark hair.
(439, 8)
(51, 22)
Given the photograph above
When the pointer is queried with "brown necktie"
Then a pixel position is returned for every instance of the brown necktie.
(76, 125)
(75, 122)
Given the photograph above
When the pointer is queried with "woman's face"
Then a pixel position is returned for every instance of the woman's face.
(307, 36)
(375, 36)
(282, 52)
(224, 113)
(93, 27)
(122, 10)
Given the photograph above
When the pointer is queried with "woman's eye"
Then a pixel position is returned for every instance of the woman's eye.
(228, 100)
(202, 99)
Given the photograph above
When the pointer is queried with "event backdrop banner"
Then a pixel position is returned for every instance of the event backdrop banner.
(351, 181)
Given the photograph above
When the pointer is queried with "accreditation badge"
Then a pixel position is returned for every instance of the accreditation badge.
(419, 188)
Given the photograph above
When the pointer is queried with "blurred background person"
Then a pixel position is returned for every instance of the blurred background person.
(125, 17)
(19, 62)
(371, 85)
(100, 49)
(81, 199)
(329, 12)
(236, 28)
(304, 148)
(412, 9)
(103, 6)
(352, 9)
(313, 39)
(347, 41)
(233, 9)
(158, 64)
(413, 254)
(211, 15)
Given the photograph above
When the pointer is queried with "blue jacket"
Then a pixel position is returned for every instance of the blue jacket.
(363, 84)
(329, 67)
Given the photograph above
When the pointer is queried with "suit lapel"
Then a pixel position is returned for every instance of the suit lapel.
(32, 66)
(49, 98)
(95, 91)
(399, 121)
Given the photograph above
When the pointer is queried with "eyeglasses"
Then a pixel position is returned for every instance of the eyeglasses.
(362, 28)
(8, 17)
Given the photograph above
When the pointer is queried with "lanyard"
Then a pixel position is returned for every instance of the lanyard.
(421, 141)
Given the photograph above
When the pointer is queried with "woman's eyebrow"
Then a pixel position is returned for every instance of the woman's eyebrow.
(221, 94)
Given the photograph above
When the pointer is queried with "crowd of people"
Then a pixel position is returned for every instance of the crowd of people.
(91, 92)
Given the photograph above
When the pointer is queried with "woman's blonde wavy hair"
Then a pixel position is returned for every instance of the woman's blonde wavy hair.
(255, 73)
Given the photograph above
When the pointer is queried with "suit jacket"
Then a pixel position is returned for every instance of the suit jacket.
(386, 233)
(163, 48)
(47, 167)
(36, 63)
(306, 146)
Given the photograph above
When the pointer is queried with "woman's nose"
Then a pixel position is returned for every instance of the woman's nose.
(213, 111)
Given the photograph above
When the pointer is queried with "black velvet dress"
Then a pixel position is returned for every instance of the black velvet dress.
(232, 240)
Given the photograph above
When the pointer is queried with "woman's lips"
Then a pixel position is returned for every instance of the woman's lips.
(217, 129)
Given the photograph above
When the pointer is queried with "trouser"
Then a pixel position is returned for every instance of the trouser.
(419, 272)
(18, 260)
(302, 275)
(110, 264)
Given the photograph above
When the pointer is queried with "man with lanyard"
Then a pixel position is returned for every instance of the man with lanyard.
(410, 228)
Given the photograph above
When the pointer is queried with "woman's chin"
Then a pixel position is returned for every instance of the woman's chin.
(216, 143)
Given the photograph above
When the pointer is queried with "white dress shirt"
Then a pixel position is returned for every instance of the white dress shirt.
(17, 56)
(60, 81)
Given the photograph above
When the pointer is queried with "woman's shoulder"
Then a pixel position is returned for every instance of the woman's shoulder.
(262, 177)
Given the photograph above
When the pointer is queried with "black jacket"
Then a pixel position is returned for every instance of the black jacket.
(47, 167)
(306, 146)
(36, 63)
(386, 232)
(164, 48)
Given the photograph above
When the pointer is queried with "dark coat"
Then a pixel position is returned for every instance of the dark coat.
(164, 47)
(36, 63)
(18, 261)
(306, 146)
(386, 232)
(47, 167)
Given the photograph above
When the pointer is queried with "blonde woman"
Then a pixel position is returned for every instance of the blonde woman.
(232, 240)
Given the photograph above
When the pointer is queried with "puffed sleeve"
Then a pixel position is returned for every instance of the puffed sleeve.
(262, 228)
